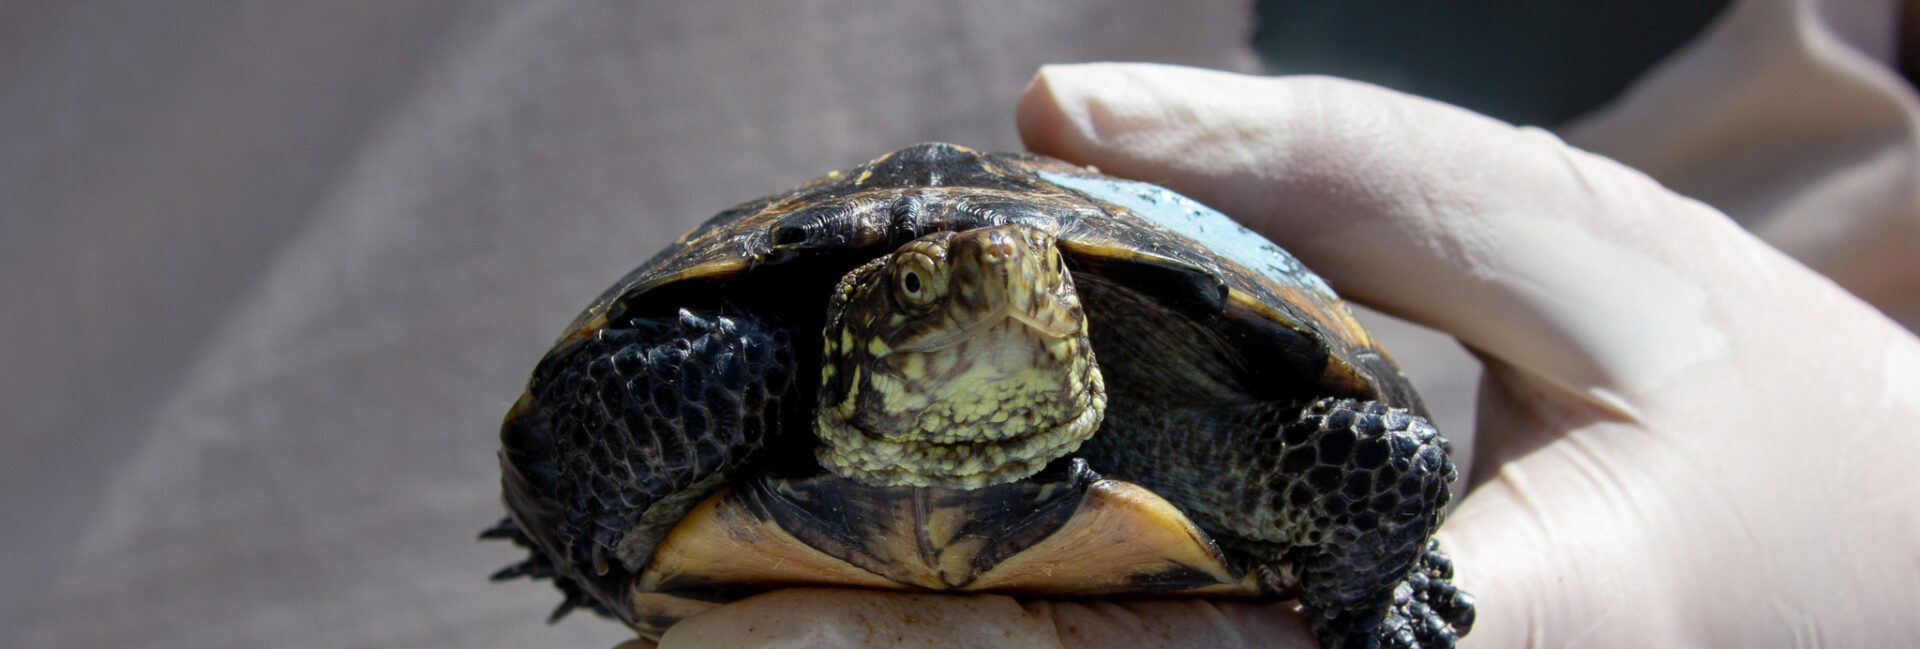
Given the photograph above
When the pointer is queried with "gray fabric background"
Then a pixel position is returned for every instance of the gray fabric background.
(272, 272)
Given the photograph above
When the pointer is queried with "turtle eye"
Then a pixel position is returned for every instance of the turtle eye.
(913, 280)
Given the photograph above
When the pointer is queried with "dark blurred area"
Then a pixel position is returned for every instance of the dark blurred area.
(1539, 63)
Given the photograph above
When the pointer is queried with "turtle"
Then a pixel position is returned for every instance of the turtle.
(960, 371)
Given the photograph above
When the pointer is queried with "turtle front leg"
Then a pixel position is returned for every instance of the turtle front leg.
(622, 432)
(1370, 483)
(1336, 501)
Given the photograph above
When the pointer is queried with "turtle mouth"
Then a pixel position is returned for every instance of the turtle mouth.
(1040, 326)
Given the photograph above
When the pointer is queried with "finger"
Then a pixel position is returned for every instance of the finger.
(821, 617)
(818, 617)
(1680, 497)
(1177, 623)
(1524, 248)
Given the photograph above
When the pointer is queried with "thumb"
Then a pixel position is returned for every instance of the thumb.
(1654, 377)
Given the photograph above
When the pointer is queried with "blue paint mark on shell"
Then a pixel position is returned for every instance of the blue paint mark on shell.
(1203, 224)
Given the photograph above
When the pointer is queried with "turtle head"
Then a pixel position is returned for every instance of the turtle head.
(960, 360)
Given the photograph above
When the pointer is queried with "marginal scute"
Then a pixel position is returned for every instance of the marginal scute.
(1186, 286)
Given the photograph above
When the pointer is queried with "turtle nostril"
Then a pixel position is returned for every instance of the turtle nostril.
(996, 250)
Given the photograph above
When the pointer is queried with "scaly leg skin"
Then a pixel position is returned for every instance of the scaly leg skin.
(1341, 497)
(620, 434)
(1378, 483)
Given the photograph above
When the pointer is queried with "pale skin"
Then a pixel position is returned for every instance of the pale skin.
(1685, 438)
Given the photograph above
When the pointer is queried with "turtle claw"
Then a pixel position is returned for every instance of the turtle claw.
(536, 566)
(539, 566)
(1428, 609)
(505, 529)
(576, 598)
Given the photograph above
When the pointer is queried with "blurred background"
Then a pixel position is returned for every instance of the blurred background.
(270, 273)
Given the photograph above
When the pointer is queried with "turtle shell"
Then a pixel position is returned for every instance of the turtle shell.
(1183, 306)
(1278, 325)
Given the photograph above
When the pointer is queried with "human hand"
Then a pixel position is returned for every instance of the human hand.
(1685, 437)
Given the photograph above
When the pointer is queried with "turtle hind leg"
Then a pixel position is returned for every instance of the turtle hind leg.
(623, 431)
(1376, 482)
